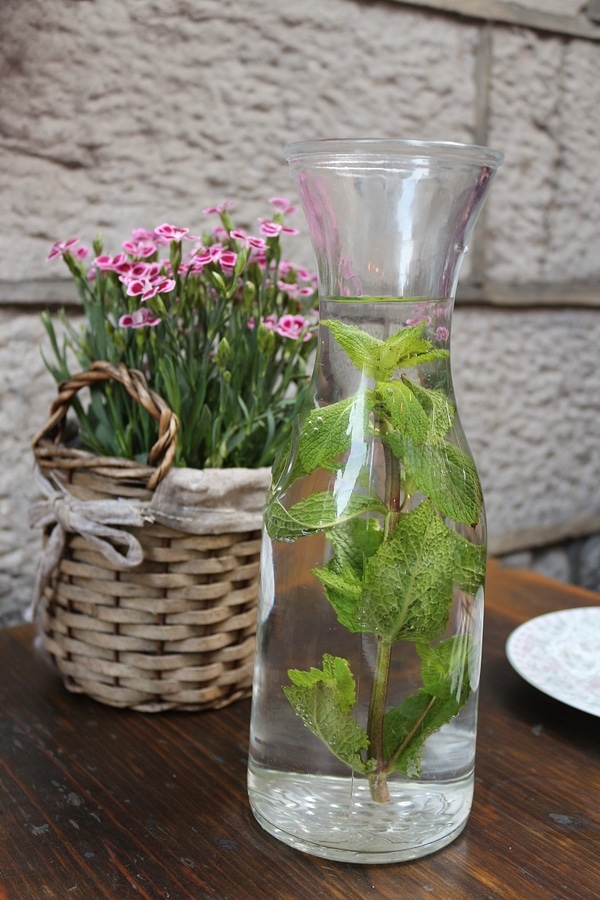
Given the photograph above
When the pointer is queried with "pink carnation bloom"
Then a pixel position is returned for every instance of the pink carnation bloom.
(61, 247)
(171, 232)
(142, 234)
(146, 288)
(228, 259)
(293, 327)
(139, 318)
(105, 263)
(248, 240)
(270, 322)
(141, 248)
(218, 209)
(282, 204)
(272, 229)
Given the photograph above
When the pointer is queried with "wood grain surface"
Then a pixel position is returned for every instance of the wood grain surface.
(103, 803)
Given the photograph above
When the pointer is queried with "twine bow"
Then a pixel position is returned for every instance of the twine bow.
(92, 519)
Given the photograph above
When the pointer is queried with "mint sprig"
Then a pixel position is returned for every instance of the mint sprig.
(397, 559)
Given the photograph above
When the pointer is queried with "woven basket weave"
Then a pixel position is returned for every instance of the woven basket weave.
(172, 626)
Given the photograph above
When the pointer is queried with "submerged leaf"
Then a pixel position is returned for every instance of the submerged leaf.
(446, 689)
(442, 472)
(410, 580)
(328, 431)
(318, 512)
(324, 700)
(363, 350)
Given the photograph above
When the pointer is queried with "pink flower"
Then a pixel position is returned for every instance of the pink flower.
(146, 288)
(269, 322)
(442, 333)
(248, 240)
(228, 259)
(142, 234)
(141, 248)
(139, 318)
(294, 327)
(282, 205)
(426, 319)
(257, 243)
(171, 232)
(61, 247)
(218, 209)
(272, 229)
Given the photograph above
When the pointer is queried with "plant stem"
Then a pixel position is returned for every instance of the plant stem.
(378, 780)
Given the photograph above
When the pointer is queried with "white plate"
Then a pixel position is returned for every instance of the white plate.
(559, 654)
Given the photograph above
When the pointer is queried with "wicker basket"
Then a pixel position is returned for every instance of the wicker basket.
(148, 584)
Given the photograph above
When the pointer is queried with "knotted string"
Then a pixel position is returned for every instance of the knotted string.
(92, 519)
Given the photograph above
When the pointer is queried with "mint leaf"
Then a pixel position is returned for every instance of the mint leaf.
(405, 349)
(344, 591)
(442, 472)
(410, 580)
(403, 410)
(286, 459)
(324, 700)
(355, 541)
(445, 668)
(407, 727)
(362, 349)
(327, 432)
(438, 408)
(318, 512)
(446, 689)
(470, 564)
(342, 577)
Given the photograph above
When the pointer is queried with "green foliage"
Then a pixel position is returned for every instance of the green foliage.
(394, 569)
(445, 678)
(324, 699)
(227, 348)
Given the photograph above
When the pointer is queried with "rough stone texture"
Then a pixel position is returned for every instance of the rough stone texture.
(527, 390)
(26, 391)
(115, 115)
(557, 7)
(544, 214)
(163, 108)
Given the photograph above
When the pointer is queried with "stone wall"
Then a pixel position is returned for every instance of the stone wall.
(121, 114)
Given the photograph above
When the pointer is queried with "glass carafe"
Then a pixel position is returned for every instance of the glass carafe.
(373, 560)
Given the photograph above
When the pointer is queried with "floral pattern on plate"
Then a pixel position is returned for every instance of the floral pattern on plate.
(559, 653)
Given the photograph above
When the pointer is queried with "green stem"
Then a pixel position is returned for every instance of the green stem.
(378, 779)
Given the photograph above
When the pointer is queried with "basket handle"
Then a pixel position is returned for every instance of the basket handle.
(162, 453)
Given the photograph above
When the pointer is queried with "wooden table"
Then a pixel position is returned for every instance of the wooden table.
(101, 803)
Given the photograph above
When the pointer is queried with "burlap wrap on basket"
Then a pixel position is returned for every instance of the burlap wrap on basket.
(147, 588)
